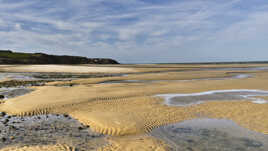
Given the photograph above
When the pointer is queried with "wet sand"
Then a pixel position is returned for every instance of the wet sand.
(127, 111)
(47, 130)
(238, 76)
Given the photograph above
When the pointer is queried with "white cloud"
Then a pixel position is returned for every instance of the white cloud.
(17, 26)
(17, 5)
(254, 26)
(159, 32)
(85, 28)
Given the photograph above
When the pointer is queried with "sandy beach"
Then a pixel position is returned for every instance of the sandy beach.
(124, 113)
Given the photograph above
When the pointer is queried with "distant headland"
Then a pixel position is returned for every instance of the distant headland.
(10, 57)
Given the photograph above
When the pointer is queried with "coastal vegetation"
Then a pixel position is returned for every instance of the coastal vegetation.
(10, 57)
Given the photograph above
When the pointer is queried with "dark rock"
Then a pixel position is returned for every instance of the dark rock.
(15, 83)
(2, 97)
(5, 121)
(66, 115)
(3, 139)
(190, 141)
(2, 114)
(12, 127)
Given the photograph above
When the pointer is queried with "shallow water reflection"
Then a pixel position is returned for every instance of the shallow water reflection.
(14, 92)
(218, 95)
(16, 76)
(211, 135)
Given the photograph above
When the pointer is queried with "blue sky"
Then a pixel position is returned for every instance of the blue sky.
(138, 31)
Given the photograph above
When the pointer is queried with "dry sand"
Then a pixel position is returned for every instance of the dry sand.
(64, 69)
(131, 109)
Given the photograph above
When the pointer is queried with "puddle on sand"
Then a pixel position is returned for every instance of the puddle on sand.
(14, 92)
(211, 135)
(124, 81)
(217, 95)
(239, 76)
(17, 76)
(242, 76)
(35, 76)
(243, 68)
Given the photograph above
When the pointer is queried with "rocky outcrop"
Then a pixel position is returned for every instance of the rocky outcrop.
(9, 57)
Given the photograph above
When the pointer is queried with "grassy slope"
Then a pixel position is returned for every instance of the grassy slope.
(17, 55)
(9, 57)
